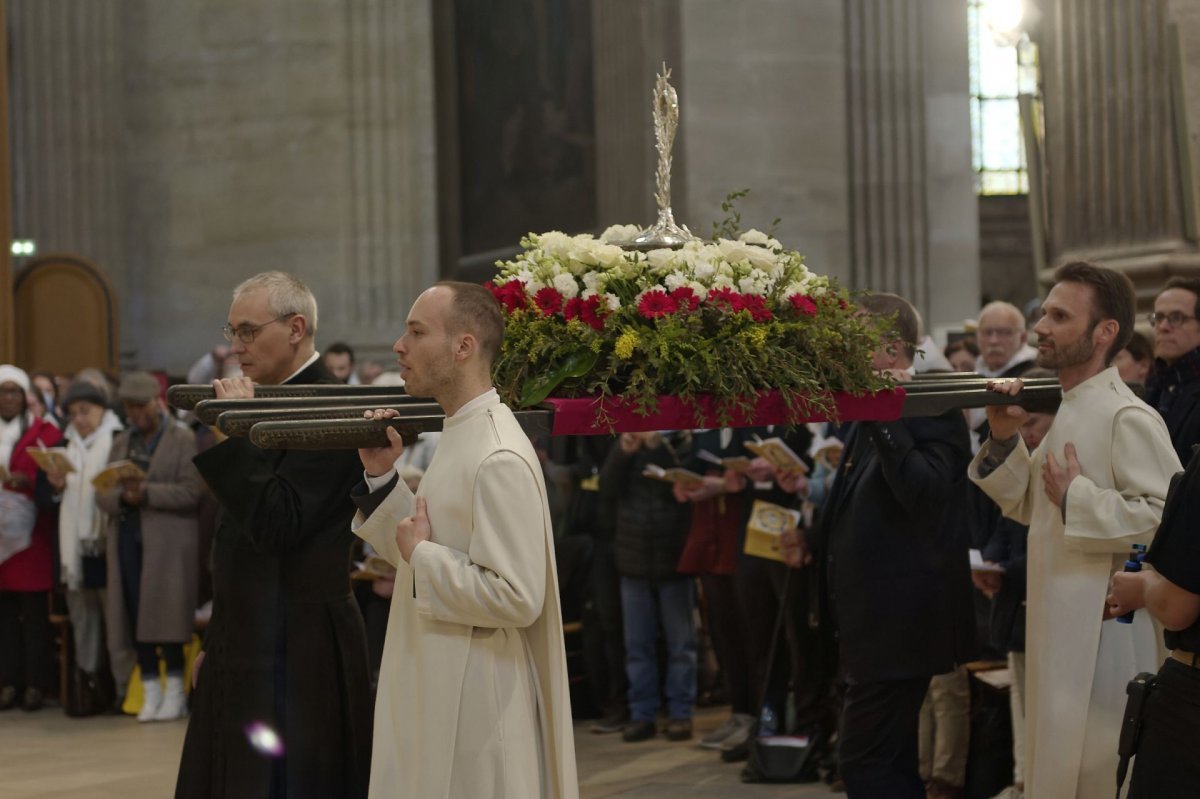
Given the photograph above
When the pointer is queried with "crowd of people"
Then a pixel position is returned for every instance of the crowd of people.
(145, 528)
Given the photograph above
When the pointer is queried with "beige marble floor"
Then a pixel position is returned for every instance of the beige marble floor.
(46, 754)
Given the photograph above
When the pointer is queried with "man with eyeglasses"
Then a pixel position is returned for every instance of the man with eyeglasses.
(282, 703)
(1004, 351)
(1174, 385)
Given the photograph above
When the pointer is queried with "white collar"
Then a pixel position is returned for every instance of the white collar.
(307, 364)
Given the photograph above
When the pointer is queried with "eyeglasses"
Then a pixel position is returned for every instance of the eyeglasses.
(246, 333)
(1174, 318)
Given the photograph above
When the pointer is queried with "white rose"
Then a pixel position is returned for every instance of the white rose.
(698, 289)
(660, 259)
(617, 233)
(754, 237)
(735, 251)
(608, 255)
(761, 258)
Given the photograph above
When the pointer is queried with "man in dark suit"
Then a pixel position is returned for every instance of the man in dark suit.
(282, 703)
(898, 574)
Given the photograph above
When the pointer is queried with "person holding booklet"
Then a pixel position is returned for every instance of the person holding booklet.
(68, 487)
(651, 528)
(153, 540)
(26, 550)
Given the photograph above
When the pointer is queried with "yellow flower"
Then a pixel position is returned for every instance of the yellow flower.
(757, 336)
(625, 345)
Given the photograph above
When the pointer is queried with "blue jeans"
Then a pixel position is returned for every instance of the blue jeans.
(644, 605)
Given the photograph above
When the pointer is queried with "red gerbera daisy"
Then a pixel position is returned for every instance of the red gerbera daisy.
(573, 309)
(549, 300)
(593, 311)
(757, 306)
(511, 295)
(685, 298)
(654, 304)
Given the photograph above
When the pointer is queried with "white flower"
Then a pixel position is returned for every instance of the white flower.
(675, 280)
(612, 301)
(761, 258)
(698, 289)
(593, 281)
(556, 244)
(754, 237)
(819, 291)
(566, 285)
(722, 281)
(735, 251)
(660, 259)
(620, 233)
(608, 255)
(703, 269)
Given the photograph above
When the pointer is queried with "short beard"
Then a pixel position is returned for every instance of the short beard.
(1073, 354)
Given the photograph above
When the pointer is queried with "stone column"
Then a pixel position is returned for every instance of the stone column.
(913, 210)
(66, 130)
(1114, 184)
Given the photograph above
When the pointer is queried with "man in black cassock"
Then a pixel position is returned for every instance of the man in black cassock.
(282, 703)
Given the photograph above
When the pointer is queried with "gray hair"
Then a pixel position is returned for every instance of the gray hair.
(286, 294)
(1007, 307)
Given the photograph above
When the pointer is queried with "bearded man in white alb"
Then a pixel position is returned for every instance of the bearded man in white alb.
(473, 698)
(1093, 487)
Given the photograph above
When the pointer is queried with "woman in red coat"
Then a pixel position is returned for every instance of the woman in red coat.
(26, 556)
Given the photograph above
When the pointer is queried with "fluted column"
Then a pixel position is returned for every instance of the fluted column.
(391, 238)
(1114, 182)
(913, 211)
(65, 126)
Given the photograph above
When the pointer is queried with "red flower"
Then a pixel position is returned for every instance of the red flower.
(757, 306)
(549, 300)
(803, 304)
(573, 309)
(593, 311)
(726, 298)
(511, 295)
(685, 298)
(654, 304)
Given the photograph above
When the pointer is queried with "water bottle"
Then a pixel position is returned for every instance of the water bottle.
(1134, 564)
(766, 722)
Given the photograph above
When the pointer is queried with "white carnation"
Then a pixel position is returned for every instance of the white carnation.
(754, 237)
(612, 301)
(660, 259)
(675, 280)
(566, 285)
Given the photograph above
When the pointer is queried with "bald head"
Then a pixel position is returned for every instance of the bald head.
(1001, 333)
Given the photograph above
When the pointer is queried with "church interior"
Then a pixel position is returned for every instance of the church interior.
(156, 153)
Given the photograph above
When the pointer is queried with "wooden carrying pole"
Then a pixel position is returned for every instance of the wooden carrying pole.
(335, 421)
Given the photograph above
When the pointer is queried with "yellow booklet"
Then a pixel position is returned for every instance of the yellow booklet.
(765, 529)
(778, 454)
(52, 460)
(112, 475)
(674, 475)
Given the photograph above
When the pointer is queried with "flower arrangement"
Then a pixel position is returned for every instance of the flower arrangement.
(730, 318)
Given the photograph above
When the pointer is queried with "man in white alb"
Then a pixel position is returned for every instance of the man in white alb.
(1093, 487)
(473, 698)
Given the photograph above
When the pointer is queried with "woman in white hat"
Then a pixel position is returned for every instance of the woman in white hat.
(26, 551)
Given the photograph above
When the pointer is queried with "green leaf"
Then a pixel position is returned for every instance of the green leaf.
(538, 387)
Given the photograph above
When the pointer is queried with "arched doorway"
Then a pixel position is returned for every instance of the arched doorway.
(65, 314)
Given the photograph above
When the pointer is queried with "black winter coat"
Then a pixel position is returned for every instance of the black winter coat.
(651, 525)
(896, 550)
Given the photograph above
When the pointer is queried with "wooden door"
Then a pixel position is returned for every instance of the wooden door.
(65, 313)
